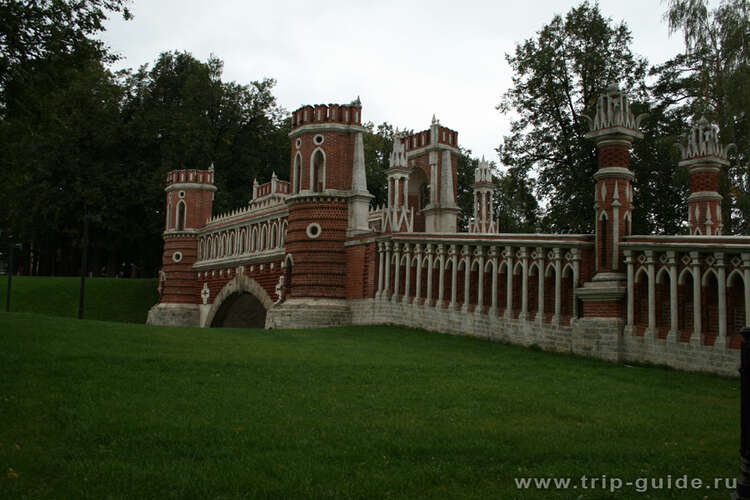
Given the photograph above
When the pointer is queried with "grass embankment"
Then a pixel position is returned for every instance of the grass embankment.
(100, 410)
(109, 299)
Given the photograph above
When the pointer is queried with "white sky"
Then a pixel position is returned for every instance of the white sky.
(407, 60)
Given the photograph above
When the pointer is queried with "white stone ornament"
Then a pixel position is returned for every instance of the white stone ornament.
(205, 293)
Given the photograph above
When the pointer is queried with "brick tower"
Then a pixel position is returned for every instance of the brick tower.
(190, 195)
(329, 202)
(704, 157)
(613, 129)
(483, 221)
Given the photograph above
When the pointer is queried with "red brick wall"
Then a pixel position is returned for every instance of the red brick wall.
(319, 263)
(180, 286)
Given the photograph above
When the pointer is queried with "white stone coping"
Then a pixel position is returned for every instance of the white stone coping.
(327, 127)
(684, 243)
(501, 239)
(189, 185)
(236, 260)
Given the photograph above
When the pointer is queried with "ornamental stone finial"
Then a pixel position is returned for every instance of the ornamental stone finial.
(398, 155)
(483, 174)
(703, 142)
(614, 117)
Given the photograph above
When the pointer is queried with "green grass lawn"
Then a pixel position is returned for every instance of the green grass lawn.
(106, 298)
(111, 410)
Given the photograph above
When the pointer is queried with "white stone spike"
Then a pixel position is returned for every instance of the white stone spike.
(604, 191)
(616, 194)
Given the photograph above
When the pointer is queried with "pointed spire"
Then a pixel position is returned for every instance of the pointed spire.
(211, 167)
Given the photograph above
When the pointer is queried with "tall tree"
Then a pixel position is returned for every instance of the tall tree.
(710, 79)
(557, 77)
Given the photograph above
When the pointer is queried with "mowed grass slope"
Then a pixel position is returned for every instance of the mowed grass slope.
(109, 410)
(107, 299)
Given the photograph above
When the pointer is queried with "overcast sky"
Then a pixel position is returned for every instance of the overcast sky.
(406, 60)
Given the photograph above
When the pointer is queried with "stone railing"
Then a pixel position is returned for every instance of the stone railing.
(525, 277)
(244, 240)
(688, 289)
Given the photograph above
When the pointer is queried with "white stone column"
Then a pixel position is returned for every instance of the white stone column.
(540, 292)
(674, 325)
(407, 273)
(454, 275)
(629, 266)
(524, 284)
(441, 278)
(418, 291)
(697, 337)
(721, 338)
(746, 285)
(651, 331)
(406, 192)
(387, 290)
(479, 252)
(576, 277)
(493, 259)
(509, 282)
(466, 254)
(381, 257)
(428, 295)
(397, 273)
(558, 285)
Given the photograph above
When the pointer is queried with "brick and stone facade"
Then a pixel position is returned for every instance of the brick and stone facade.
(311, 252)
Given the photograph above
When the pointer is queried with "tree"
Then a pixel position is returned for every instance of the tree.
(378, 145)
(36, 30)
(558, 77)
(710, 79)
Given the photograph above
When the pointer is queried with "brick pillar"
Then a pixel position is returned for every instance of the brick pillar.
(704, 157)
(613, 129)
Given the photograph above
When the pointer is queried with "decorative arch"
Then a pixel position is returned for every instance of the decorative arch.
(238, 284)
(518, 268)
(638, 273)
(731, 277)
(415, 261)
(660, 274)
(181, 215)
(263, 238)
(709, 271)
(297, 173)
(318, 170)
(274, 234)
(550, 270)
(681, 276)
(489, 263)
(254, 239)
(282, 236)
(533, 268)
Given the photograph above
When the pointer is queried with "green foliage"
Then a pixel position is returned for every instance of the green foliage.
(557, 78)
(110, 299)
(101, 410)
(710, 79)
(36, 30)
(378, 146)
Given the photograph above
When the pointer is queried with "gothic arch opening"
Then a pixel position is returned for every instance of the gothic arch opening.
(240, 310)
(318, 169)
(296, 176)
(180, 216)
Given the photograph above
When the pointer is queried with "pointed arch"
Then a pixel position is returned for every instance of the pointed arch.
(254, 239)
(681, 277)
(732, 276)
(181, 215)
(663, 270)
(640, 271)
(518, 268)
(706, 275)
(274, 235)
(297, 173)
(318, 170)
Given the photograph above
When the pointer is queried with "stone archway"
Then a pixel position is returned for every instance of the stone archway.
(235, 295)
